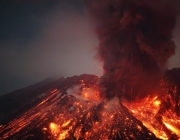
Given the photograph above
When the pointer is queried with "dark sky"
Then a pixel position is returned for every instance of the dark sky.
(45, 38)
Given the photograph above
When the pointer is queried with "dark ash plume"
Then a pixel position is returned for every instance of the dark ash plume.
(135, 43)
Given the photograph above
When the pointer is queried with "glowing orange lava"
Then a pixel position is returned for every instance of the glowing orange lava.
(148, 112)
(81, 114)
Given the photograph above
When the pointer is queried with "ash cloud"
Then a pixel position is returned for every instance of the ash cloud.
(135, 43)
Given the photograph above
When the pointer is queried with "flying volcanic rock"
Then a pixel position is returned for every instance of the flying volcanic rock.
(135, 43)
(59, 110)
(70, 108)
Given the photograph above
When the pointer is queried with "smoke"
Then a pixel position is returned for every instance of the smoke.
(135, 43)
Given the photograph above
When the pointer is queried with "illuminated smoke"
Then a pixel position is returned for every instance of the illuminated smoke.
(135, 43)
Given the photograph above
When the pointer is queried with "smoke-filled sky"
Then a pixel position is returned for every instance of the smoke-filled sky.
(135, 44)
(45, 38)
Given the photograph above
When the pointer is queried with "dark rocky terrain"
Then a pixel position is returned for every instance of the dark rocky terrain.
(23, 113)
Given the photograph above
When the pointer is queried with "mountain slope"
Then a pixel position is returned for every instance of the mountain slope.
(68, 108)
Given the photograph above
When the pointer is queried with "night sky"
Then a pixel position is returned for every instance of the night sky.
(49, 38)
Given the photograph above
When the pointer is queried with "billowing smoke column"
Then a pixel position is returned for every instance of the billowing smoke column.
(135, 43)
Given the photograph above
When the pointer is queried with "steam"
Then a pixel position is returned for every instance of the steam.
(135, 43)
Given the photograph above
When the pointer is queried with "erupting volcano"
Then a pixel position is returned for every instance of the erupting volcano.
(71, 108)
(135, 99)
(135, 44)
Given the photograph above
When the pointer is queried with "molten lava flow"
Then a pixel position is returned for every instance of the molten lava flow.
(66, 123)
(53, 128)
(148, 111)
(96, 120)
(81, 114)
(172, 128)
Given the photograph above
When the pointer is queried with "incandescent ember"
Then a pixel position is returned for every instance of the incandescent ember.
(77, 112)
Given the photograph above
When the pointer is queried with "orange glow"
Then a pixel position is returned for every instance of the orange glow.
(54, 91)
(86, 95)
(172, 128)
(157, 103)
(66, 123)
(62, 136)
(147, 110)
(90, 94)
(53, 128)
(89, 117)
(44, 129)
